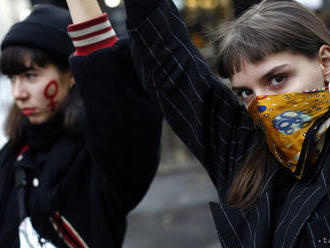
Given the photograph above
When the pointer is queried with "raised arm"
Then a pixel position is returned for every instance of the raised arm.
(202, 111)
(121, 124)
(83, 10)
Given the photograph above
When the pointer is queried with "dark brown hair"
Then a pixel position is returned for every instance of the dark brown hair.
(13, 62)
(267, 28)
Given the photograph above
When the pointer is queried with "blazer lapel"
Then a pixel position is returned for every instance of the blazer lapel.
(300, 204)
(249, 228)
(297, 209)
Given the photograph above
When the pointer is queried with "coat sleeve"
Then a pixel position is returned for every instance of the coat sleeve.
(121, 124)
(202, 111)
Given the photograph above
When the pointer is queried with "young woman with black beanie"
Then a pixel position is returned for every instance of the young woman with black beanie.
(70, 172)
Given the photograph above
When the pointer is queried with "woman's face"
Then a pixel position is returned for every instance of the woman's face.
(39, 91)
(278, 73)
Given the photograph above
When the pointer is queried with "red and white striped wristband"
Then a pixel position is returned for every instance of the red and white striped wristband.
(92, 35)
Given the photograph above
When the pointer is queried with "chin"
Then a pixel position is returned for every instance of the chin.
(36, 120)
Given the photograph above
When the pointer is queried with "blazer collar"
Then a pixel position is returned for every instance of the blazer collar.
(301, 202)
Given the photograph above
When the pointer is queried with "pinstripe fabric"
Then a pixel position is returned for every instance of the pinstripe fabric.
(209, 119)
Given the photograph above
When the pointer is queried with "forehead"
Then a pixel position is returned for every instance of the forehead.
(28, 61)
(31, 63)
(19, 60)
(252, 72)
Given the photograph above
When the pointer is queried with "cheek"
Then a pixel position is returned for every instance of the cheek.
(307, 81)
(315, 82)
(50, 92)
(315, 78)
(51, 89)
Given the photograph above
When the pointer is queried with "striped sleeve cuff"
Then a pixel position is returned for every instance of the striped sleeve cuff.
(92, 35)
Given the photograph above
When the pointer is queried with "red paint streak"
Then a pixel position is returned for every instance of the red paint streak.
(50, 93)
(262, 97)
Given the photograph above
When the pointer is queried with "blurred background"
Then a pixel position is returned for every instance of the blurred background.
(175, 211)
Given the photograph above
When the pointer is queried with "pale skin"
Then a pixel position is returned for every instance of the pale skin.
(39, 91)
(282, 72)
(83, 10)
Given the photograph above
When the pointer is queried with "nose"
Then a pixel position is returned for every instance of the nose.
(19, 90)
(262, 92)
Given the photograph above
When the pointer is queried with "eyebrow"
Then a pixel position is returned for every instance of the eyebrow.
(274, 70)
(263, 77)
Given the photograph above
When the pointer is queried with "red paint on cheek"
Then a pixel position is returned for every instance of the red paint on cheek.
(50, 93)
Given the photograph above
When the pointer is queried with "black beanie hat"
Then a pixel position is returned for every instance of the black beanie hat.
(45, 28)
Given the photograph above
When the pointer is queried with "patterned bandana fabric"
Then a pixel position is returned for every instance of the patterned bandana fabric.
(286, 118)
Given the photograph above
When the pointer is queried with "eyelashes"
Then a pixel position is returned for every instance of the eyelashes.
(273, 83)
(277, 81)
(30, 76)
(246, 95)
(243, 93)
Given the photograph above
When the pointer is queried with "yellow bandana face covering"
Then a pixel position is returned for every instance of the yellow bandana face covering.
(286, 120)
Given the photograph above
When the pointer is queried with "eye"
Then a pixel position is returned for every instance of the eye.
(30, 75)
(245, 94)
(277, 81)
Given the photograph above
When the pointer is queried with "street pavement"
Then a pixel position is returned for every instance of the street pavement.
(175, 211)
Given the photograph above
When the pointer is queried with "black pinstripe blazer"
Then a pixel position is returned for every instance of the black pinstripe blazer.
(210, 120)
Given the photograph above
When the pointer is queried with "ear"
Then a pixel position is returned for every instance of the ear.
(72, 82)
(70, 79)
(324, 59)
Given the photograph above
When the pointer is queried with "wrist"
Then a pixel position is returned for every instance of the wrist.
(92, 35)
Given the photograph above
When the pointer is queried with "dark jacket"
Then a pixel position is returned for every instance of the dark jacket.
(218, 130)
(79, 190)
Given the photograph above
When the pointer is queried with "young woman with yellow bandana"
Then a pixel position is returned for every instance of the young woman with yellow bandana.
(268, 153)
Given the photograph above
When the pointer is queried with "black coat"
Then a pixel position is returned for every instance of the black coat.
(84, 187)
(208, 117)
